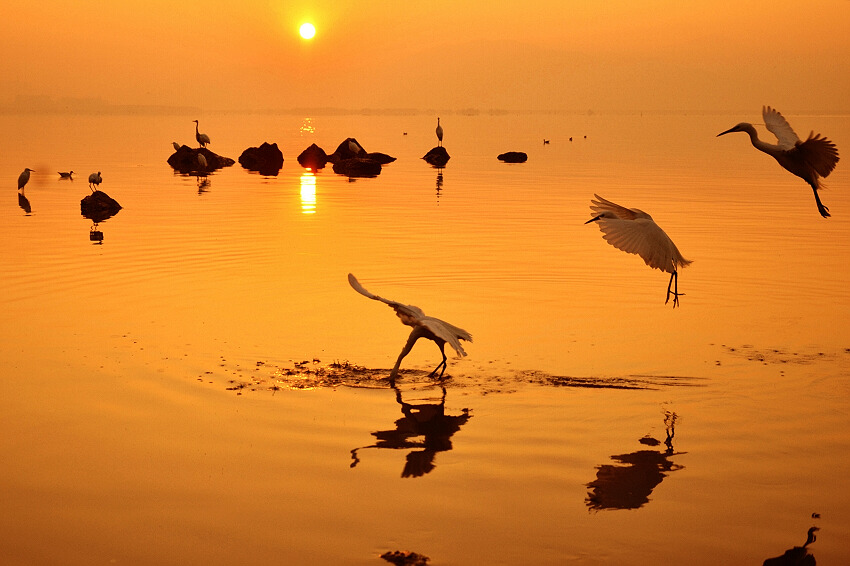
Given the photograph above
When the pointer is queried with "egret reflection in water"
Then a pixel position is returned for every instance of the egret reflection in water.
(308, 193)
(628, 483)
(425, 429)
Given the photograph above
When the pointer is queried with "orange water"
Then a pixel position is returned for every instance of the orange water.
(153, 413)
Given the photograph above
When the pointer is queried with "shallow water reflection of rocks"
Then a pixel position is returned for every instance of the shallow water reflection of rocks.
(629, 483)
(425, 429)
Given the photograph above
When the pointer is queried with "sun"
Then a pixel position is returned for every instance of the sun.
(307, 30)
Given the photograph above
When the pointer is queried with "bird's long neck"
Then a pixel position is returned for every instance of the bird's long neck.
(196, 128)
(760, 145)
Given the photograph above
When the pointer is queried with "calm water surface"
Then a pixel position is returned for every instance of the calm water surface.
(171, 396)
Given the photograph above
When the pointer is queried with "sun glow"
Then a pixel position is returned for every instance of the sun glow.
(307, 30)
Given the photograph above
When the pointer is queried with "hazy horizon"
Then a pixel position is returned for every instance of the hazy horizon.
(547, 56)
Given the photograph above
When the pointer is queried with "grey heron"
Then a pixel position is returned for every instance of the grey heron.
(24, 177)
(203, 139)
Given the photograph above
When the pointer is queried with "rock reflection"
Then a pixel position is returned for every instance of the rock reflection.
(797, 555)
(425, 429)
(628, 484)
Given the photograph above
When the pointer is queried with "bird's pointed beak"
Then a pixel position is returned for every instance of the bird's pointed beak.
(730, 130)
(594, 219)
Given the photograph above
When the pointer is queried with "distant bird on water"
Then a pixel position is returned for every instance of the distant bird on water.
(95, 179)
(66, 175)
(633, 231)
(810, 160)
(545, 141)
(428, 327)
(203, 139)
(24, 177)
(439, 133)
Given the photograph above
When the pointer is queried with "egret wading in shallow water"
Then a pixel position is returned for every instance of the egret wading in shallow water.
(203, 139)
(439, 133)
(66, 175)
(24, 177)
(633, 231)
(810, 160)
(428, 327)
(94, 180)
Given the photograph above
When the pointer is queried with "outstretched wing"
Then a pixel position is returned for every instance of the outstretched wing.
(779, 127)
(601, 205)
(820, 153)
(409, 310)
(448, 332)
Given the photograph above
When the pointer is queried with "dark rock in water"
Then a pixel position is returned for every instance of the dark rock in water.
(99, 206)
(185, 160)
(405, 558)
(267, 159)
(513, 157)
(345, 151)
(381, 158)
(438, 156)
(314, 157)
(357, 167)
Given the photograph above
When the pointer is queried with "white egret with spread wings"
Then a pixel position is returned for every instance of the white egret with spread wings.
(424, 326)
(810, 160)
(634, 231)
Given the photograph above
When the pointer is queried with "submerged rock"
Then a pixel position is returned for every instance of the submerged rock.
(186, 160)
(357, 167)
(99, 206)
(381, 158)
(267, 159)
(513, 157)
(314, 157)
(438, 156)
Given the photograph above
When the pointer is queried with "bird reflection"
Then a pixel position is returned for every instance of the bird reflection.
(628, 484)
(96, 235)
(796, 556)
(24, 203)
(425, 429)
(439, 181)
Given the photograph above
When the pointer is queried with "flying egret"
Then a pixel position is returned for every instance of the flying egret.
(439, 133)
(428, 327)
(95, 179)
(203, 139)
(176, 146)
(24, 177)
(633, 231)
(810, 160)
(66, 175)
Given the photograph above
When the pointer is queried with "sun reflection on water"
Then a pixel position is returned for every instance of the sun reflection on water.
(308, 193)
(307, 127)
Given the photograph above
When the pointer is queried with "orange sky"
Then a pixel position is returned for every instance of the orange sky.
(611, 56)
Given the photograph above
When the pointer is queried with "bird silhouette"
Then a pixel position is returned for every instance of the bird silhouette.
(634, 231)
(439, 133)
(203, 139)
(202, 162)
(176, 146)
(95, 179)
(810, 160)
(66, 175)
(424, 326)
(24, 177)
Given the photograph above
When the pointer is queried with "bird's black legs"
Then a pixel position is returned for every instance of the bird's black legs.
(441, 364)
(674, 281)
(824, 211)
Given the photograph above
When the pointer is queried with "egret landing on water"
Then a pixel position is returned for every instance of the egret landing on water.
(95, 179)
(634, 231)
(810, 160)
(428, 327)
(439, 133)
(203, 139)
(24, 177)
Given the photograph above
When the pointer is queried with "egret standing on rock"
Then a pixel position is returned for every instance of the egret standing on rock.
(95, 179)
(428, 327)
(203, 139)
(810, 160)
(439, 133)
(633, 231)
(24, 177)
